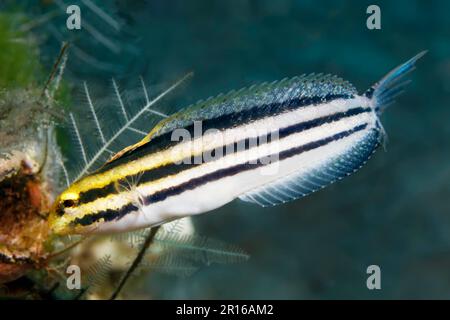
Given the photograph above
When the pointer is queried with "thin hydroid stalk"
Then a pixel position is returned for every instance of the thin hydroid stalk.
(148, 241)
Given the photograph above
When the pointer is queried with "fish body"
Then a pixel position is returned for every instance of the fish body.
(267, 144)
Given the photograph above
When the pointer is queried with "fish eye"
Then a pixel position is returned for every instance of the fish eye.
(68, 203)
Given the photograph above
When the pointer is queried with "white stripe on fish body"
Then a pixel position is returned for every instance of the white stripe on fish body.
(217, 193)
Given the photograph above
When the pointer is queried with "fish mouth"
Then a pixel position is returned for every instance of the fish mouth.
(63, 226)
(58, 225)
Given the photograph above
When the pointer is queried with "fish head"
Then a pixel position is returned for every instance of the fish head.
(64, 209)
(68, 209)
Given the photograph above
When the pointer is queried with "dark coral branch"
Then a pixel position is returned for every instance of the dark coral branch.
(148, 241)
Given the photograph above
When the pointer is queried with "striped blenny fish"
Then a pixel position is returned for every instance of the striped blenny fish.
(316, 129)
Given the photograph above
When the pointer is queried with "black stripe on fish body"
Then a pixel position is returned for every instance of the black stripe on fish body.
(105, 215)
(229, 120)
(96, 193)
(109, 215)
(190, 162)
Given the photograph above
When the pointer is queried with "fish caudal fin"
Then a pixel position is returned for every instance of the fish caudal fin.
(391, 86)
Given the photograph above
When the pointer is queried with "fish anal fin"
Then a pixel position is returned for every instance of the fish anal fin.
(298, 185)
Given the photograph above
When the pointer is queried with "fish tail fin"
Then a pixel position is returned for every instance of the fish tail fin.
(384, 92)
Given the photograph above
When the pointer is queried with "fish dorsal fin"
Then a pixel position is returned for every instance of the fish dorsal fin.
(311, 85)
(298, 185)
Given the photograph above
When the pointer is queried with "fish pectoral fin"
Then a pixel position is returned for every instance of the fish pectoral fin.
(301, 184)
